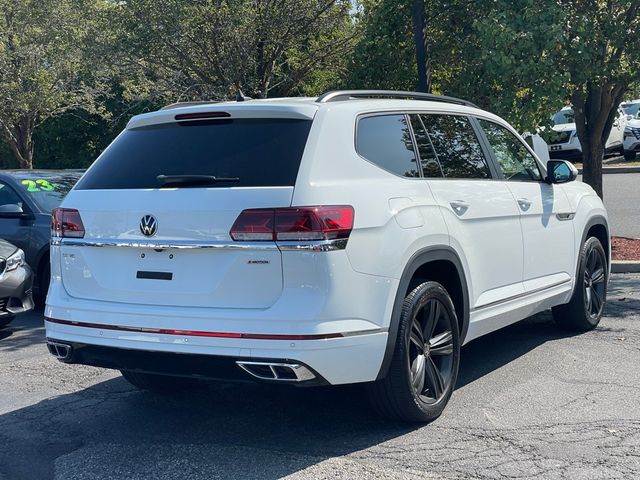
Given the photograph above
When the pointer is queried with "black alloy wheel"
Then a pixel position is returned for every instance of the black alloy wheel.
(584, 310)
(431, 351)
(424, 367)
(594, 282)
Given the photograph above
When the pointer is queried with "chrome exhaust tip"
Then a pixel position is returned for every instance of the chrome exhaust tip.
(61, 351)
(278, 372)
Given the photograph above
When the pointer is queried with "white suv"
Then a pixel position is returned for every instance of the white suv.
(563, 140)
(363, 236)
(631, 129)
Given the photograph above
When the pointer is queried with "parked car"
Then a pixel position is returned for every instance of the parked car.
(27, 198)
(361, 236)
(15, 283)
(632, 129)
(563, 140)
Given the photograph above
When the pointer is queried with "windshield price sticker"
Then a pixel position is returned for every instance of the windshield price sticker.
(39, 185)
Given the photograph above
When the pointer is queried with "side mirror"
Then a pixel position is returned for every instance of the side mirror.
(561, 171)
(12, 210)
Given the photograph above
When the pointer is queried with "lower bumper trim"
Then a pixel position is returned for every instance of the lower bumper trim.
(213, 367)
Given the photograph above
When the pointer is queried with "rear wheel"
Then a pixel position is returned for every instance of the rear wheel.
(424, 367)
(584, 310)
(158, 383)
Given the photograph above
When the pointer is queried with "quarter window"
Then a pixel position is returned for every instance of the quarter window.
(456, 146)
(516, 162)
(386, 141)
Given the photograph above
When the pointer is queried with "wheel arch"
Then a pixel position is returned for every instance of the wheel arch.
(441, 264)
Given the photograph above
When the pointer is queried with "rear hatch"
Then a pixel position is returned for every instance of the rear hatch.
(165, 241)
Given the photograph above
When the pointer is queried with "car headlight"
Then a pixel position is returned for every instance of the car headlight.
(15, 261)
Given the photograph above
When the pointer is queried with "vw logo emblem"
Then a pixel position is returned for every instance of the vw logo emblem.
(148, 225)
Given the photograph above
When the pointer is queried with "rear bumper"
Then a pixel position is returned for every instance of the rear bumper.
(353, 358)
(168, 363)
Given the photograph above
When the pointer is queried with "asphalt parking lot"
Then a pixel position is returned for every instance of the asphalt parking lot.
(621, 200)
(531, 402)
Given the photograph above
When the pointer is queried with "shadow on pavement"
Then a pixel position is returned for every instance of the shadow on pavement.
(117, 425)
(25, 330)
(223, 431)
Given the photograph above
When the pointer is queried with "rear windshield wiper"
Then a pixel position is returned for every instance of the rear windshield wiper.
(193, 180)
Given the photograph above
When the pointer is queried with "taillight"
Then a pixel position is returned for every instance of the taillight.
(66, 222)
(294, 224)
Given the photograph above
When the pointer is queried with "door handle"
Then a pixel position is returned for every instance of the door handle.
(459, 207)
(524, 203)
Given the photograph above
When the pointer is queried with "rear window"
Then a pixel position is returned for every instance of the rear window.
(47, 190)
(261, 152)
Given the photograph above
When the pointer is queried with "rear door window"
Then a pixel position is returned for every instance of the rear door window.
(385, 140)
(456, 146)
(260, 152)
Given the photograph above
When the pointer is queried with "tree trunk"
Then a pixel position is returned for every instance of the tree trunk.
(595, 108)
(19, 139)
(592, 155)
(422, 58)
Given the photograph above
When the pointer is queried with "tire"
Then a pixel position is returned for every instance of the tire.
(4, 321)
(159, 383)
(629, 156)
(422, 374)
(584, 310)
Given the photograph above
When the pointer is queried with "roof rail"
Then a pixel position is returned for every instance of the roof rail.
(340, 95)
(188, 104)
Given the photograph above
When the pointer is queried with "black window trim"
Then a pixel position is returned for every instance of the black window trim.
(493, 173)
(492, 156)
(413, 141)
(430, 143)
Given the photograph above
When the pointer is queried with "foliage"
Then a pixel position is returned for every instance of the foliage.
(211, 48)
(44, 69)
(536, 55)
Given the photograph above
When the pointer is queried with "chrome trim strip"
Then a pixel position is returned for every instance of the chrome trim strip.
(314, 246)
(520, 295)
(563, 217)
(159, 245)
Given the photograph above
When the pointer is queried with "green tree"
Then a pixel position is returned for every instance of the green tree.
(525, 58)
(44, 69)
(212, 48)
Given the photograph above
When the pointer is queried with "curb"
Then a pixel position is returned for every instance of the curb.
(625, 266)
(617, 170)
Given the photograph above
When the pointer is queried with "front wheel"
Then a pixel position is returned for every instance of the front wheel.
(424, 368)
(629, 156)
(584, 310)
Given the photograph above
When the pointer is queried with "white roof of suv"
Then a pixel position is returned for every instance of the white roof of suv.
(307, 107)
